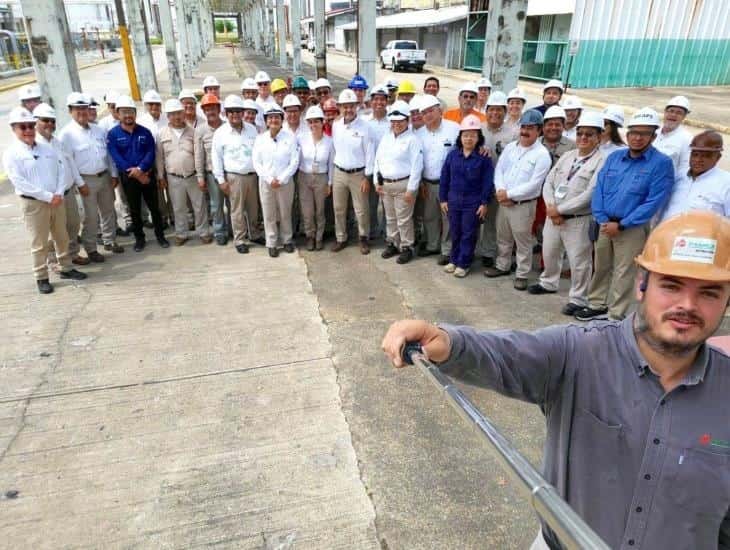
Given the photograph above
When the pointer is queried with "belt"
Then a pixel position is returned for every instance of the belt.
(180, 175)
(390, 180)
(28, 197)
(571, 216)
(525, 201)
(98, 175)
(67, 191)
(352, 171)
(241, 174)
(432, 182)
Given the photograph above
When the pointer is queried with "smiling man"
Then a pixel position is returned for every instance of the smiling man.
(638, 438)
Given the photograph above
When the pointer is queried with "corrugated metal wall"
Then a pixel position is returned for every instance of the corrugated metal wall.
(651, 43)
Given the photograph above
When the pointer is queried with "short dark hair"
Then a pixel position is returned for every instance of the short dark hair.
(436, 80)
(480, 141)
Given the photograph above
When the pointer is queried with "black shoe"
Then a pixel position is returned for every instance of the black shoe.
(492, 272)
(163, 242)
(589, 314)
(570, 309)
(242, 248)
(289, 248)
(443, 260)
(260, 240)
(139, 246)
(487, 261)
(44, 287)
(405, 256)
(122, 232)
(114, 247)
(537, 288)
(390, 251)
(95, 257)
(423, 251)
(221, 240)
(165, 226)
(273, 252)
(73, 275)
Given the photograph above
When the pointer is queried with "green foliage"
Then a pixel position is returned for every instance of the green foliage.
(219, 26)
(155, 40)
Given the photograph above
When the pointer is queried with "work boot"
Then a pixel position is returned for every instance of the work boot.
(537, 288)
(242, 248)
(44, 287)
(492, 272)
(221, 240)
(80, 260)
(163, 242)
(139, 246)
(520, 284)
(570, 309)
(364, 246)
(273, 252)
(339, 246)
(114, 247)
(443, 260)
(289, 248)
(206, 239)
(179, 241)
(95, 257)
(405, 256)
(390, 251)
(73, 275)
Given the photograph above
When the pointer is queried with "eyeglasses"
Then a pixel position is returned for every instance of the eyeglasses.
(47, 120)
(323, 92)
(25, 127)
(586, 134)
(638, 133)
(262, 84)
(468, 96)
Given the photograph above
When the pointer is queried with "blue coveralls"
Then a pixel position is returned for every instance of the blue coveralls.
(466, 183)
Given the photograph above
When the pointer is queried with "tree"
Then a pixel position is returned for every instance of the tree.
(219, 26)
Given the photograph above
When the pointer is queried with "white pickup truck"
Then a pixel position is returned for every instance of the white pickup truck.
(401, 54)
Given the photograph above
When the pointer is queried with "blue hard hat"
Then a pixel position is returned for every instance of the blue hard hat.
(358, 83)
(531, 117)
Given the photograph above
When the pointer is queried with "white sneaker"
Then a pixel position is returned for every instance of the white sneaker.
(449, 268)
(460, 272)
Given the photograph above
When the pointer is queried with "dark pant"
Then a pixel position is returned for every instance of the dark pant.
(135, 191)
(464, 227)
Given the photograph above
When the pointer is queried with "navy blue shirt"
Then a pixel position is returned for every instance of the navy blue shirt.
(129, 150)
(631, 190)
(466, 181)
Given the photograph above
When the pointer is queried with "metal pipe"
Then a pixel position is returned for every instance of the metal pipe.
(127, 50)
(573, 532)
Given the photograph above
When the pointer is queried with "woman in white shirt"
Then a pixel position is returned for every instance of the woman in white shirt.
(316, 167)
(611, 140)
(275, 159)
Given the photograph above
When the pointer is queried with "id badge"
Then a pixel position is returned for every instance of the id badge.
(561, 191)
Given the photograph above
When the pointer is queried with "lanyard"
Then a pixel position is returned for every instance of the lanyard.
(578, 163)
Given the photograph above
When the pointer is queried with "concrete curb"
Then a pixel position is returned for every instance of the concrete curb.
(14, 85)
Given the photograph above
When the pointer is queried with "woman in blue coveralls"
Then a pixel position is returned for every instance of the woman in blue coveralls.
(466, 187)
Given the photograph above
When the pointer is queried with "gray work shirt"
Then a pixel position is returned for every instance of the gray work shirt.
(643, 467)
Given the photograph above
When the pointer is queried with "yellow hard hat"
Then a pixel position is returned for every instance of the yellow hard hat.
(694, 244)
(277, 85)
(406, 87)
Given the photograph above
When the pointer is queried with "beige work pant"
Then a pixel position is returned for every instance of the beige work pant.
(398, 214)
(570, 237)
(43, 220)
(277, 206)
(180, 190)
(122, 206)
(435, 222)
(514, 227)
(312, 194)
(487, 243)
(73, 225)
(613, 280)
(344, 185)
(98, 205)
(244, 199)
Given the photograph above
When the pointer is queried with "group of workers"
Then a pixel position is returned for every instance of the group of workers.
(487, 179)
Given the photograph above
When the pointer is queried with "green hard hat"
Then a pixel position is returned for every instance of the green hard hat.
(300, 82)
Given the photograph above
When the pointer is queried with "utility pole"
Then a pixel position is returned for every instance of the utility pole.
(168, 36)
(503, 43)
(127, 50)
(320, 40)
(296, 36)
(53, 57)
(141, 43)
(256, 27)
(281, 32)
(272, 29)
(182, 36)
(366, 33)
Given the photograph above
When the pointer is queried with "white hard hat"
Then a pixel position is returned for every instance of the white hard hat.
(572, 102)
(311, 84)
(77, 99)
(186, 94)
(44, 110)
(151, 96)
(517, 93)
(591, 119)
(250, 105)
(468, 87)
(378, 90)
(173, 106)
(124, 101)
(290, 100)
(233, 101)
(111, 97)
(20, 114)
(427, 101)
(484, 83)
(645, 117)
(415, 103)
(399, 110)
(322, 83)
(29, 92)
(346, 96)
(554, 83)
(678, 101)
(210, 81)
(314, 111)
(391, 83)
(249, 84)
(614, 113)
(262, 76)
(554, 112)
(497, 99)
(273, 109)
(93, 104)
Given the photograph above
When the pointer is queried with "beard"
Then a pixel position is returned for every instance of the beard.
(646, 331)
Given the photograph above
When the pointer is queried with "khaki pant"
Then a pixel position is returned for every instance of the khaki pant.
(98, 206)
(180, 190)
(613, 281)
(312, 194)
(570, 237)
(73, 225)
(122, 206)
(514, 227)
(398, 214)
(43, 220)
(487, 243)
(277, 204)
(343, 185)
(435, 222)
(244, 207)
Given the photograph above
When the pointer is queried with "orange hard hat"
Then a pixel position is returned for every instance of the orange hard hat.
(694, 244)
(209, 99)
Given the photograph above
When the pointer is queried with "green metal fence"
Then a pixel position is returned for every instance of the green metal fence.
(543, 59)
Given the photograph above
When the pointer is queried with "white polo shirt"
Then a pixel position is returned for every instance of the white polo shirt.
(276, 157)
(400, 157)
(708, 191)
(34, 171)
(521, 170)
(88, 148)
(436, 145)
(232, 151)
(71, 174)
(316, 158)
(353, 145)
(675, 145)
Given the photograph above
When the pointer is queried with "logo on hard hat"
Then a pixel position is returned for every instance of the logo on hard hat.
(681, 243)
(694, 249)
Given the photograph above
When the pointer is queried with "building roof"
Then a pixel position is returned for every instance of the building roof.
(417, 18)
